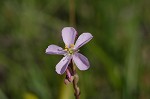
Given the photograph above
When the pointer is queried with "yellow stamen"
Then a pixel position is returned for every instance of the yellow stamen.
(72, 45)
(69, 49)
(66, 47)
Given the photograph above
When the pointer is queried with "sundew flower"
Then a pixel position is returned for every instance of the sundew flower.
(71, 50)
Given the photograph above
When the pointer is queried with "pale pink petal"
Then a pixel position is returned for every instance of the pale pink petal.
(68, 73)
(63, 64)
(81, 61)
(83, 39)
(68, 35)
(54, 49)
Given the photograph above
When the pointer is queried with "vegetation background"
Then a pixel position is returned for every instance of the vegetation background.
(119, 53)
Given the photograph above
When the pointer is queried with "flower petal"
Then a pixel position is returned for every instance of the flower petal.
(68, 35)
(54, 49)
(83, 39)
(63, 64)
(81, 61)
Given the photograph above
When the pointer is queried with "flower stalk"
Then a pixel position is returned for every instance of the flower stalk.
(75, 83)
(72, 77)
(75, 86)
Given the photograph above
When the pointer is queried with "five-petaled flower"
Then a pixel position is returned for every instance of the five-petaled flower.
(70, 51)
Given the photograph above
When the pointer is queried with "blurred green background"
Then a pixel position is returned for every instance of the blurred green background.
(119, 53)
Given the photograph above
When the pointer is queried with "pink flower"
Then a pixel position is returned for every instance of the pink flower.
(71, 51)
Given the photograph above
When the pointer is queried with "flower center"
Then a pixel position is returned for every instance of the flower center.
(70, 49)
